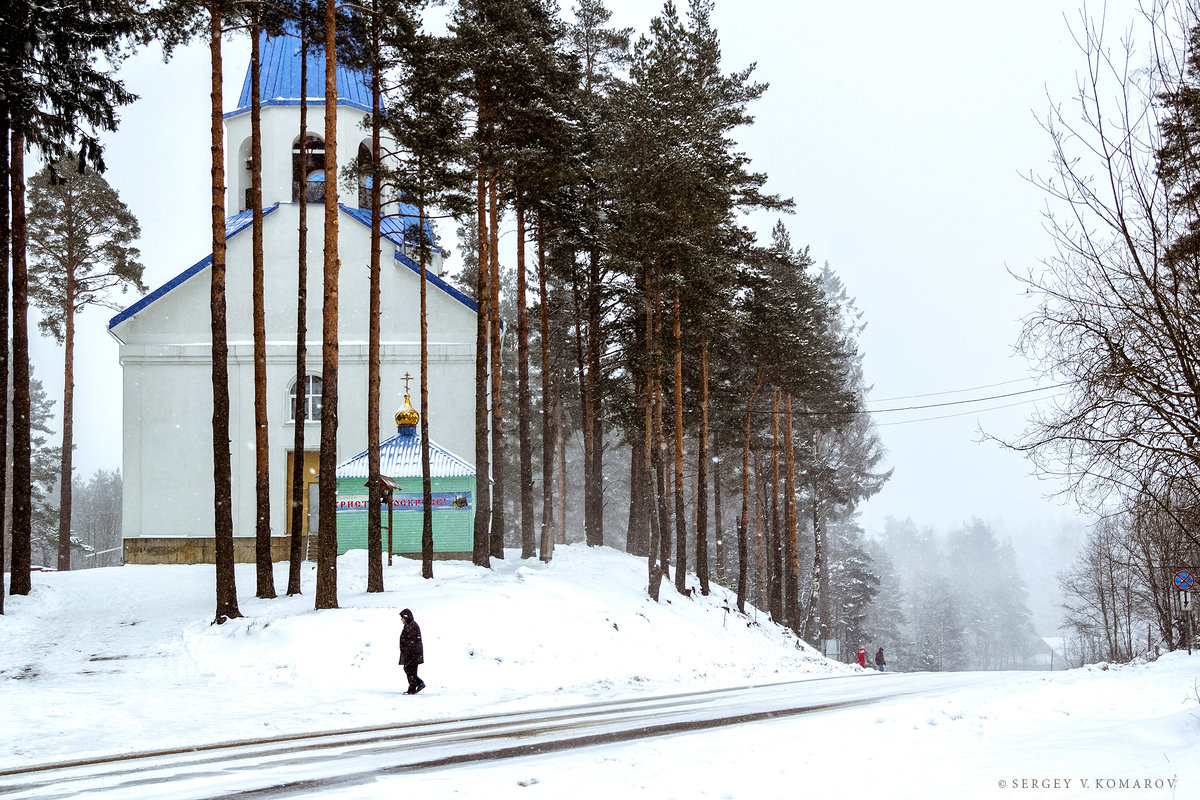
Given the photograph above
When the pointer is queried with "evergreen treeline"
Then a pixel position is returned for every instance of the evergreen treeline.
(950, 603)
(650, 334)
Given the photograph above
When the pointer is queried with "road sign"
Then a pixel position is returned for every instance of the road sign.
(1184, 580)
(1185, 601)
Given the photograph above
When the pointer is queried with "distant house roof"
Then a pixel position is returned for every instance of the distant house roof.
(279, 77)
(233, 226)
(400, 457)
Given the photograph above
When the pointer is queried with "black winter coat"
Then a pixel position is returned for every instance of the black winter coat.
(879, 662)
(411, 649)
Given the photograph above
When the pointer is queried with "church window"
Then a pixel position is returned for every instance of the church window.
(242, 188)
(308, 172)
(307, 399)
(364, 181)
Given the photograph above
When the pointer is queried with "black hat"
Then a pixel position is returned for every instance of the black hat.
(406, 615)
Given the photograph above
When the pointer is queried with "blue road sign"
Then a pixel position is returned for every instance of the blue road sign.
(1184, 581)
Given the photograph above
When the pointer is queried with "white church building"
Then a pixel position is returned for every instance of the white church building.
(165, 337)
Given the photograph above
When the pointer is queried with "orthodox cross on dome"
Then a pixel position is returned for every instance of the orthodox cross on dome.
(407, 417)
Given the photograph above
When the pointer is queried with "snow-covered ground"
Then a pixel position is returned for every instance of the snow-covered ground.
(125, 660)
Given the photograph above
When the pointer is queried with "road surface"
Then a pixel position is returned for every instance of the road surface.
(307, 765)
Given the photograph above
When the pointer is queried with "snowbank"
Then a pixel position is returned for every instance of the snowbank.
(125, 659)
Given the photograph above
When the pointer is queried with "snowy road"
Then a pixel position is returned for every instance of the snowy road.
(311, 765)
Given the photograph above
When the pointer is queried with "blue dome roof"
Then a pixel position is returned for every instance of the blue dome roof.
(279, 77)
(400, 457)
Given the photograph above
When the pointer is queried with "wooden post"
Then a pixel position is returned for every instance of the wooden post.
(389, 497)
(386, 488)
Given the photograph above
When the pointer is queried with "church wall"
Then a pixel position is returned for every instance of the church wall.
(168, 392)
(167, 453)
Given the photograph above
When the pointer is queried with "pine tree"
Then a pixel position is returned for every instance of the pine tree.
(57, 65)
(299, 412)
(81, 246)
(260, 20)
(424, 126)
(367, 52)
(178, 21)
(326, 593)
(20, 581)
(5, 250)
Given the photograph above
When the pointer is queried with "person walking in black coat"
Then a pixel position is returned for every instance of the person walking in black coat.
(880, 664)
(412, 652)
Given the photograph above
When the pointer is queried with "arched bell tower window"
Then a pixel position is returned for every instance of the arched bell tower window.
(242, 190)
(364, 181)
(305, 167)
(308, 399)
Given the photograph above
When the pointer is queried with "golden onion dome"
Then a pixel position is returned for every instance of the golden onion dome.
(407, 416)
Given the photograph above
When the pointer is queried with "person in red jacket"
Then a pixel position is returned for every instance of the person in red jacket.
(862, 656)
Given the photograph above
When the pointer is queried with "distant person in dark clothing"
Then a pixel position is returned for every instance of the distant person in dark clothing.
(880, 664)
(412, 652)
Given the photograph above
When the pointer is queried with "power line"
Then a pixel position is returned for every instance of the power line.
(861, 411)
(965, 413)
(950, 391)
(963, 402)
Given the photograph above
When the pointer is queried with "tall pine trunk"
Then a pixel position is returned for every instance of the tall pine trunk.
(595, 456)
(649, 454)
(637, 541)
(718, 511)
(681, 554)
(744, 519)
(68, 431)
(547, 534)
(264, 570)
(22, 546)
(5, 253)
(560, 475)
(227, 607)
(702, 472)
(762, 535)
(524, 412)
(791, 582)
(326, 595)
(774, 539)
(296, 554)
(660, 476)
(374, 487)
(480, 555)
(498, 462)
(818, 583)
(426, 471)
(586, 408)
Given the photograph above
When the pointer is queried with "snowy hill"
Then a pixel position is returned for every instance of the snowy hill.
(124, 659)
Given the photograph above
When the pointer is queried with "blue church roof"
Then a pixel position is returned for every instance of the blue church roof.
(395, 229)
(279, 77)
(400, 457)
(233, 226)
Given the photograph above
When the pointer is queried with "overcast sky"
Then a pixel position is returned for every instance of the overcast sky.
(902, 131)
